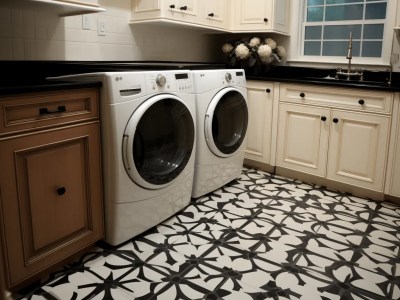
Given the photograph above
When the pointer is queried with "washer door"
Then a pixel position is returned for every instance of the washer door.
(226, 122)
(158, 141)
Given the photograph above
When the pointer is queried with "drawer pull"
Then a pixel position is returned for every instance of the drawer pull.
(61, 191)
(302, 95)
(183, 8)
(211, 15)
(268, 91)
(361, 102)
(323, 118)
(265, 20)
(335, 120)
(172, 6)
(45, 111)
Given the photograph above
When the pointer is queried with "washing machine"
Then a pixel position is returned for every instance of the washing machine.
(148, 125)
(222, 118)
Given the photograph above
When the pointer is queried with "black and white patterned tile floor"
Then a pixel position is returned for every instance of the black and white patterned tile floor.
(260, 237)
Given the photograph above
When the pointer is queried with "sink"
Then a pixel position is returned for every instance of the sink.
(345, 81)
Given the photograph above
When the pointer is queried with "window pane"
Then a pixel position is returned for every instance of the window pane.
(344, 12)
(340, 32)
(339, 48)
(315, 14)
(375, 11)
(343, 1)
(312, 48)
(313, 32)
(373, 31)
(315, 2)
(372, 49)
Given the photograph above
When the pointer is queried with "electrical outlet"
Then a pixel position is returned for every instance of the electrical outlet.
(86, 22)
(101, 27)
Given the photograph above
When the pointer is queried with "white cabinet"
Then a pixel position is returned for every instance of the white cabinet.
(392, 186)
(214, 13)
(317, 136)
(262, 16)
(260, 96)
(210, 13)
(59, 7)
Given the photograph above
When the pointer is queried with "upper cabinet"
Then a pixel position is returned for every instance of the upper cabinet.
(220, 15)
(261, 15)
(60, 7)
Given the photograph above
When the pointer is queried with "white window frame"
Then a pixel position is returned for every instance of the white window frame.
(297, 40)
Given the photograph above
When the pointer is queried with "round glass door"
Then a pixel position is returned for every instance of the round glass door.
(158, 141)
(226, 122)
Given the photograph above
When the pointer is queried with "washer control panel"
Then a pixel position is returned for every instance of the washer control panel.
(168, 81)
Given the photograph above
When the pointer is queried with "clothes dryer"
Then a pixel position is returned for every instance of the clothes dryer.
(148, 147)
(222, 118)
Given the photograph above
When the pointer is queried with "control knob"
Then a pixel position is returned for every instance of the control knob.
(228, 77)
(161, 80)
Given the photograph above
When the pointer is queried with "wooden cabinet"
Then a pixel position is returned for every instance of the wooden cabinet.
(316, 137)
(260, 97)
(262, 16)
(214, 13)
(50, 184)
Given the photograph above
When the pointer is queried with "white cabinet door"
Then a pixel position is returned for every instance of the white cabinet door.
(259, 131)
(303, 133)
(262, 15)
(357, 149)
(215, 13)
(182, 10)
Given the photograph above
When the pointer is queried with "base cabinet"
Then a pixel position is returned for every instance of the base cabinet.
(50, 184)
(341, 145)
(260, 97)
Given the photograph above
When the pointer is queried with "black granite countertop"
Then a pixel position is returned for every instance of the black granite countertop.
(30, 76)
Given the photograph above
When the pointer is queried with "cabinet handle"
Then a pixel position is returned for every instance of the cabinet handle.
(335, 120)
(172, 6)
(183, 7)
(211, 15)
(268, 91)
(323, 118)
(61, 191)
(361, 102)
(46, 111)
(265, 20)
(302, 95)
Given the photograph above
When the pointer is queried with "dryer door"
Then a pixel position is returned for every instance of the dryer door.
(158, 141)
(226, 122)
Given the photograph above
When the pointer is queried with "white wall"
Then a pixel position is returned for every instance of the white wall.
(33, 35)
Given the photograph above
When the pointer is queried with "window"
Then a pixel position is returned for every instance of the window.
(327, 25)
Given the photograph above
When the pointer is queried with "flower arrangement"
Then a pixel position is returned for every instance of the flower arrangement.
(254, 53)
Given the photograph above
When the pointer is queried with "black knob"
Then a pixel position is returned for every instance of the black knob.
(183, 7)
(172, 6)
(268, 91)
(302, 95)
(335, 120)
(211, 15)
(61, 191)
(323, 118)
(265, 20)
(361, 102)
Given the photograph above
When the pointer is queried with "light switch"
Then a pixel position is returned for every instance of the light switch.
(101, 27)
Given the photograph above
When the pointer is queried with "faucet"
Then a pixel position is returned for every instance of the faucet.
(349, 55)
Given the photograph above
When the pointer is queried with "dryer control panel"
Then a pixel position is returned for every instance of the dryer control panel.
(170, 81)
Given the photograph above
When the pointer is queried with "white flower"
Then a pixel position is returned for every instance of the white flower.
(270, 42)
(264, 52)
(281, 52)
(241, 51)
(254, 42)
(226, 48)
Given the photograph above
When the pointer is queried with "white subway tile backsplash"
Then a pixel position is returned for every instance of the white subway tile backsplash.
(5, 15)
(37, 35)
(5, 49)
